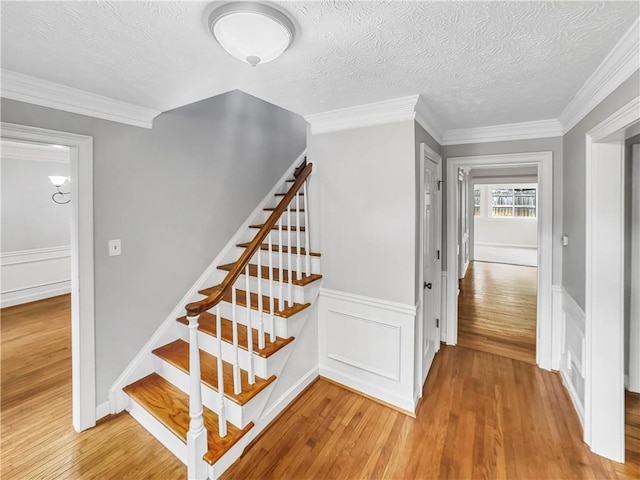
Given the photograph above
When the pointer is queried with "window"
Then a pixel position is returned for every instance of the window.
(476, 202)
(513, 202)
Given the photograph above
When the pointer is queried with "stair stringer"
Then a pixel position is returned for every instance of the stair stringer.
(143, 363)
(299, 371)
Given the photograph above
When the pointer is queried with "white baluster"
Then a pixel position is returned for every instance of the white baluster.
(298, 243)
(237, 386)
(307, 256)
(289, 258)
(252, 377)
(260, 306)
(222, 417)
(272, 333)
(197, 434)
(280, 269)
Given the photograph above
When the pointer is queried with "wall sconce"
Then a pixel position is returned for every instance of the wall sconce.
(59, 196)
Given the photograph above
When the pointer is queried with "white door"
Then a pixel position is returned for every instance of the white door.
(431, 264)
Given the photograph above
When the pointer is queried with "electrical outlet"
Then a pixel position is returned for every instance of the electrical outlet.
(115, 247)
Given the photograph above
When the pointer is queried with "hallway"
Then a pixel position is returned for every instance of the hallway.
(497, 310)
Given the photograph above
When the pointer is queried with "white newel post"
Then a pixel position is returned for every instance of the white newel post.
(197, 434)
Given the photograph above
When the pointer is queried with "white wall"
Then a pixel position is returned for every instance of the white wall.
(519, 232)
(34, 258)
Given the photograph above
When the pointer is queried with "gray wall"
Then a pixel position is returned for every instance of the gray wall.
(520, 146)
(30, 218)
(363, 210)
(574, 181)
(174, 194)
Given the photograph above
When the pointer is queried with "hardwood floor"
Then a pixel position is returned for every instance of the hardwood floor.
(38, 441)
(497, 310)
(482, 416)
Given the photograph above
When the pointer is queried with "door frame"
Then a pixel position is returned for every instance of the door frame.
(426, 154)
(544, 320)
(604, 283)
(82, 279)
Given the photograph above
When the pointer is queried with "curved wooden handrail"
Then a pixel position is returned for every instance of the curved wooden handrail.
(196, 308)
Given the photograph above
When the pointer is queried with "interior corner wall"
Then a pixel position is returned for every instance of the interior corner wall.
(574, 183)
(174, 194)
(553, 144)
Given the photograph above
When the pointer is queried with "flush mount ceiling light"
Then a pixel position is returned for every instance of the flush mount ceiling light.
(252, 32)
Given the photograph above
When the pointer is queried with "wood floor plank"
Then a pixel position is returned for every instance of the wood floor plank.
(497, 310)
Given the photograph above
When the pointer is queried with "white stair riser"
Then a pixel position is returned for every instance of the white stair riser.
(214, 471)
(159, 431)
(283, 328)
(262, 218)
(240, 416)
(314, 264)
(263, 367)
(298, 291)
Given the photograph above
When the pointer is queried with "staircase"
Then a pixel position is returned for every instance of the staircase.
(202, 390)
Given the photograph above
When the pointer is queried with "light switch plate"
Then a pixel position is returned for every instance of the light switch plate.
(115, 247)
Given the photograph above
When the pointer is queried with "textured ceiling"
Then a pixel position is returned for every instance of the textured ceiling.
(476, 63)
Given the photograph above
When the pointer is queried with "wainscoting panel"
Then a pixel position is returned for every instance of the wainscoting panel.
(30, 275)
(368, 345)
(573, 351)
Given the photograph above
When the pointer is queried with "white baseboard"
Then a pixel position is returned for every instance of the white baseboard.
(284, 400)
(405, 403)
(34, 293)
(103, 410)
(573, 395)
(164, 334)
(506, 245)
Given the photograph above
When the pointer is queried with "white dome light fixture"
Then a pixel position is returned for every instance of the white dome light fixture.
(251, 32)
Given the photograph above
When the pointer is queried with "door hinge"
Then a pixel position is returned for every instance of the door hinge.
(438, 254)
(437, 323)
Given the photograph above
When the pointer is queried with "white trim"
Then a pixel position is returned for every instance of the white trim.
(573, 395)
(103, 410)
(117, 398)
(604, 280)
(38, 295)
(25, 88)
(34, 255)
(501, 133)
(396, 307)
(506, 245)
(443, 307)
(82, 281)
(557, 334)
(34, 153)
(544, 160)
(427, 120)
(405, 403)
(378, 113)
(621, 62)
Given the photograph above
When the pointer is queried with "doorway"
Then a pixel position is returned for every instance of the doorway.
(544, 171)
(82, 281)
(604, 429)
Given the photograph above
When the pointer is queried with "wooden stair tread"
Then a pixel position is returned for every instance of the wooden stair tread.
(283, 194)
(253, 272)
(177, 354)
(241, 300)
(170, 406)
(275, 227)
(207, 324)
(276, 248)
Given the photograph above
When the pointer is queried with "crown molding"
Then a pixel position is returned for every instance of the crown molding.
(427, 120)
(25, 88)
(34, 152)
(621, 62)
(502, 133)
(368, 115)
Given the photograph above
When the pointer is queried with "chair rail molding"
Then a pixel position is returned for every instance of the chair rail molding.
(28, 89)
